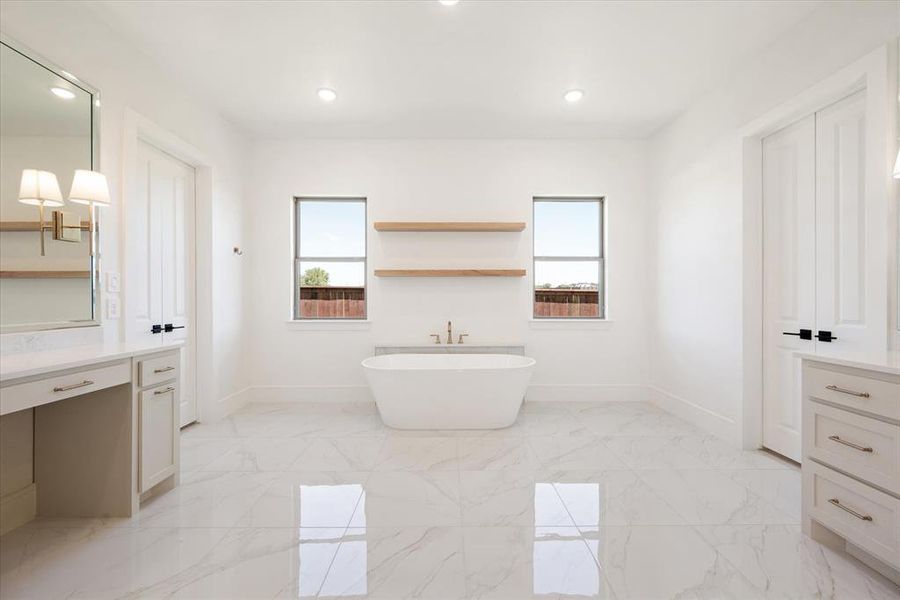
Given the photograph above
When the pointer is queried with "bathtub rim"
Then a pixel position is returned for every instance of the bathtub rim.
(529, 363)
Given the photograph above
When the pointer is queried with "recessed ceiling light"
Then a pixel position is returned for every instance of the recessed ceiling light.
(573, 95)
(449, 2)
(63, 93)
(327, 94)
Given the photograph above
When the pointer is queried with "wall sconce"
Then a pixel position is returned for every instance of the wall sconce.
(92, 189)
(40, 188)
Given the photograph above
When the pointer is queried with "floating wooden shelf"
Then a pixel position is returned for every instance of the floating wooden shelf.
(34, 225)
(450, 272)
(449, 226)
(45, 274)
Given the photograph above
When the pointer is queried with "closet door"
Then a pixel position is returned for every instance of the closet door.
(160, 288)
(789, 284)
(847, 299)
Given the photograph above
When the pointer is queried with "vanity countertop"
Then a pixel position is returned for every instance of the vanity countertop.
(883, 362)
(30, 364)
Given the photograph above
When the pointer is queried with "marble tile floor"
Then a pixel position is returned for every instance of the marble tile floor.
(600, 500)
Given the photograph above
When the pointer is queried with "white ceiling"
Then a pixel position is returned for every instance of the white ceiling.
(482, 68)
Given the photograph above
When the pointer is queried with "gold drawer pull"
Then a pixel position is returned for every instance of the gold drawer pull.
(835, 388)
(164, 391)
(860, 516)
(66, 388)
(837, 439)
(164, 370)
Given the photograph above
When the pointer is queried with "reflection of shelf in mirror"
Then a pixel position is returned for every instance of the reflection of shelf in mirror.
(476, 226)
(34, 225)
(450, 272)
(45, 274)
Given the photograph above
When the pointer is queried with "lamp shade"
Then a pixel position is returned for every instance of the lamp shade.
(39, 188)
(89, 187)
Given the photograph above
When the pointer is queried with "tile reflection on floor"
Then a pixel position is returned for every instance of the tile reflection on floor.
(588, 500)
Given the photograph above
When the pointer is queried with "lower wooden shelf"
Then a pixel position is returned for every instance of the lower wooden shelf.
(450, 272)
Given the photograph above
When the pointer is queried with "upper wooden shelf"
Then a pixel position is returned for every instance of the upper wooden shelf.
(449, 226)
(34, 225)
(450, 272)
(45, 274)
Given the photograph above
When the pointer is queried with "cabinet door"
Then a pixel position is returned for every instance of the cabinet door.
(159, 409)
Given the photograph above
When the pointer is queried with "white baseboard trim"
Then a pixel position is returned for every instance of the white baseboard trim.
(535, 393)
(708, 420)
(227, 405)
(18, 508)
(311, 393)
(586, 392)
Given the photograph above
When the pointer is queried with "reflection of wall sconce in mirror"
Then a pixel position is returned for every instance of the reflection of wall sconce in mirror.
(66, 226)
(90, 188)
(40, 188)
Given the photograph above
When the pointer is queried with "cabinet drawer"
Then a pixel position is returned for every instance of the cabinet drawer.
(59, 387)
(863, 515)
(853, 389)
(158, 437)
(866, 447)
(152, 371)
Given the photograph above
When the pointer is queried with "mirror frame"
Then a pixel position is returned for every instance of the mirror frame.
(95, 320)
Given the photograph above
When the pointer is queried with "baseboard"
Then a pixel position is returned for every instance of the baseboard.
(587, 392)
(18, 508)
(708, 420)
(311, 393)
(227, 405)
(535, 393)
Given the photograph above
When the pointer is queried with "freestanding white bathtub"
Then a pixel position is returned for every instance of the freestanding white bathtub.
(448, 391)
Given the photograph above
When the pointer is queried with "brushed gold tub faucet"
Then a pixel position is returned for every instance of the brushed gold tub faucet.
(449, 332)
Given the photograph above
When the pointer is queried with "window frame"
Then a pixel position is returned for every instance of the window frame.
(297, 258)
(600, 258)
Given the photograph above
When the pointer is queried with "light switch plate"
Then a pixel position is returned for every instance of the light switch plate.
(112, 282)
(112, 307)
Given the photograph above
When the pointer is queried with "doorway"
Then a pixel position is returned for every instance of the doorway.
(817, 294)
(162, 276)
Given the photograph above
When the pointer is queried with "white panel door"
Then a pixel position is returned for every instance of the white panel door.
(161, 244)
(846, 303)
(789, 285)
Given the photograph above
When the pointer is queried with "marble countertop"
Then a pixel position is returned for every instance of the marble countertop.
(29, 364)
(883, 362)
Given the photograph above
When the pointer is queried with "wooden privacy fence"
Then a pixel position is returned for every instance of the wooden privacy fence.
(350, 302)
(332, 302)
(566, 303)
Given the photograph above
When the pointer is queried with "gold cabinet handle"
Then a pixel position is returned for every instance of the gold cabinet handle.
(841, 390)
(860, 516)
(66, 388)
(837, 439)
(164, 391)
(164, 370)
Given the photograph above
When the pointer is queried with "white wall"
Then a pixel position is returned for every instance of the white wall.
(448, 180)
(71, 35)
(697, 239)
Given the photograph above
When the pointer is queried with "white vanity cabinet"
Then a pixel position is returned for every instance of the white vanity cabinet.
(105, 429)
(158, 404)
(851, 457)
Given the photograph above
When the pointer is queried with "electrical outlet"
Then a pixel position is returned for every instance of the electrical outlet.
(112, 282)
(112, 307)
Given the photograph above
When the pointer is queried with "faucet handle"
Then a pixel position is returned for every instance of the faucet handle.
(461, 336)
(437, 338)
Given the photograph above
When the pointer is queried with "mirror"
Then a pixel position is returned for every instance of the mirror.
(48, 123)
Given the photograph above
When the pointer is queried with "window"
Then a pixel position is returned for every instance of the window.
(568, 258)
(330, 258)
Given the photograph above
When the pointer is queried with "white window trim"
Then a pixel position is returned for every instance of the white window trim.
(297, 259)
(600, 259)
